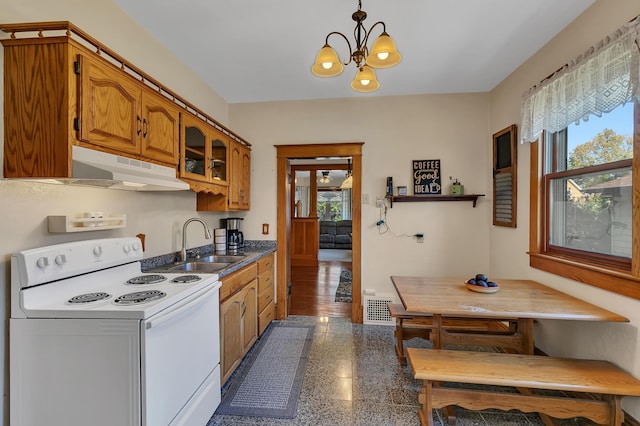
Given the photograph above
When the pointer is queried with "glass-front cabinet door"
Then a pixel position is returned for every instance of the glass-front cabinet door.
(193, 164)
(218, 160)
(204, 152)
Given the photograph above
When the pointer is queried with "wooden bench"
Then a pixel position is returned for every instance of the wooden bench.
(413, 324)
(526, 373)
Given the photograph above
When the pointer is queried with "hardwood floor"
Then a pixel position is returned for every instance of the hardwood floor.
(313, 290)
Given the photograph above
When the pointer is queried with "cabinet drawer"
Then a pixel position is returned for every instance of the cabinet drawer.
(235, 281)
(265, 318)
(265, 263)
(265, 281)
(264, 299)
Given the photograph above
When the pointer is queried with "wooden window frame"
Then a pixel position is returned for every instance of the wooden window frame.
(608, 275)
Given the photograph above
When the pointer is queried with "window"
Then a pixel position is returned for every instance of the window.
(334, 204)
(587, 186)
(583, 223)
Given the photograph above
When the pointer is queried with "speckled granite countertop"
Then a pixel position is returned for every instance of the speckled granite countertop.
(254, 250)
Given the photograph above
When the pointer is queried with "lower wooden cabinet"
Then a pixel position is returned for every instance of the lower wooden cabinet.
(266, 307)
(238, 318)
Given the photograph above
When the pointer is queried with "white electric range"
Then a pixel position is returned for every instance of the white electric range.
(94, 340)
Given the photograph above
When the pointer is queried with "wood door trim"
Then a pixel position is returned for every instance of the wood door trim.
(312, 151)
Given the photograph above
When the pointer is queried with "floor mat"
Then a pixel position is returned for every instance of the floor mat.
(269, 384)
(344, 292)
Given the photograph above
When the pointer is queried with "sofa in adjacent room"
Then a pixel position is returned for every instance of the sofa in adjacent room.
(335, 235)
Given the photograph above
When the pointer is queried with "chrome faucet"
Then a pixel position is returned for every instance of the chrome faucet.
(207, 235)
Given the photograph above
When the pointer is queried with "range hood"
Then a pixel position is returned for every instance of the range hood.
(101, 169)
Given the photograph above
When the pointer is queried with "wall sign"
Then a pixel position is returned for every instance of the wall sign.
(426, 177)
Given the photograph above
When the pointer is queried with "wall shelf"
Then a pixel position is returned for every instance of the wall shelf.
(419, 198)
(66, 224)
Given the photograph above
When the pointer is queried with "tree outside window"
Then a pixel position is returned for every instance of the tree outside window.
(332, 205)
(589, 190)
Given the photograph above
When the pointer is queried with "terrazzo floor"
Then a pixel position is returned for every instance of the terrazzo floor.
(354, 378)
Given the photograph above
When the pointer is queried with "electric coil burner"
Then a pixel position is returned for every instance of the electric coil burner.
(155, 337)
(89, 297)
(139, 297)
(147, 279)
(186, 279)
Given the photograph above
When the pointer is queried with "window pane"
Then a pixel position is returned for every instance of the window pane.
(592, 212)
(334, 204)
(600, 140)
(302, 196)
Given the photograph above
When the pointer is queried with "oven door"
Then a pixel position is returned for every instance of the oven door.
(180, 350)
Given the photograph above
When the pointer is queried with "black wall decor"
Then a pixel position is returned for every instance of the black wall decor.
(426, 177)
(504, 177)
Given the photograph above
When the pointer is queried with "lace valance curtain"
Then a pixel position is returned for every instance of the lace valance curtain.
(596, 82)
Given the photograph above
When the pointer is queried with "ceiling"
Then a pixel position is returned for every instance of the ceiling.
(259, 51)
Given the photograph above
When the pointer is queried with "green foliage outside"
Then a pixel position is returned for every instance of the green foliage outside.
(335, 210)
(605, 147)
(588, 217)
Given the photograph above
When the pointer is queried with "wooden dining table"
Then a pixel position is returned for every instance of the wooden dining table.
(517, 303)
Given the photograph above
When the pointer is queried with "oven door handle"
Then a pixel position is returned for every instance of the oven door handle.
(181, 307)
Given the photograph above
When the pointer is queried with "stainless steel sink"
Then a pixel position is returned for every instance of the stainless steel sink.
(208, 264)
(197, 266)
(222, 258)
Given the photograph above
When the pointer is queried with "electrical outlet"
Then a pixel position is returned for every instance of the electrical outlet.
(379, 202)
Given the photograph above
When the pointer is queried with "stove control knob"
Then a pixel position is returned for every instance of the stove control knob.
(42, 263)
(126, 248)
(136, 246)
(60, 259)
(97, 251)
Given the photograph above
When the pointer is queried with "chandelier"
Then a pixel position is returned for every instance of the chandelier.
(348, 181)
(325, 177)
(383, 54)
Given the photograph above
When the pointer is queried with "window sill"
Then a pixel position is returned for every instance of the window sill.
(606, 279)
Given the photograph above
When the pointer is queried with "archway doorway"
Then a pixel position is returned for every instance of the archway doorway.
(285, 154)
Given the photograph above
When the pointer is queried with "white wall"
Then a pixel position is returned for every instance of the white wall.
(395, 131)
(619, 343)
(24, 207)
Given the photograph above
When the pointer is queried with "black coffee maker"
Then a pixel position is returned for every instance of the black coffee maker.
(235, 239)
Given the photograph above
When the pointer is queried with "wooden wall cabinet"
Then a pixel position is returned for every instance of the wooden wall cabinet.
(238, 195)
(266, 306)
(122, 114)
(238, 317)
(240, 177)
(58, 93)
(204, 157)
(63, 87)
